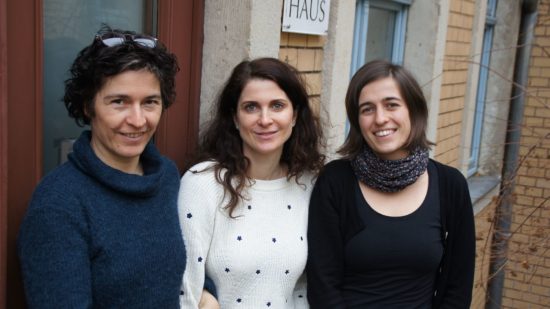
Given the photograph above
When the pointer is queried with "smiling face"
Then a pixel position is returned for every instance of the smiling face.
(127, 110)
(384, 119)
(265, 117)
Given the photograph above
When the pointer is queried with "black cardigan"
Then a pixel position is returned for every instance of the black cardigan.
(334, 220)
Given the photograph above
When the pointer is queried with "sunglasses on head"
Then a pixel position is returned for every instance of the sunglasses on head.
(115, 39)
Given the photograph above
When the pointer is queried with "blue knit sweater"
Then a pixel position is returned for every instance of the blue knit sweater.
(94, 236)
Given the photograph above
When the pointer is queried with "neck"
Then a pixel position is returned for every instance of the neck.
(266, 168)
(133, 168)
(130, 166)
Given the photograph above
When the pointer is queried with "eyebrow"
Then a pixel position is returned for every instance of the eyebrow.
(383, 100)
(270, 101)
(125, 96)
(391, 98)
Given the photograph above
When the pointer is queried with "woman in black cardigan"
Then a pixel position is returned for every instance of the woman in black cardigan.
(389, 227)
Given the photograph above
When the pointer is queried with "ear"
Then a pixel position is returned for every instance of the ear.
(87, 109)
(236, 122)
(294, 117)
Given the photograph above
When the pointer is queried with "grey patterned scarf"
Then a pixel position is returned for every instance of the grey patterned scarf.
(389, 175)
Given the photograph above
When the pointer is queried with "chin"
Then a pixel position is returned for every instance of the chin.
(131, 153)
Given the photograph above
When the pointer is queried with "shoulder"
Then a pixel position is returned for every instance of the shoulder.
(56, 202)
(169, 165)
(60, 188)
(202, 166)
(202, 174)
(448, 174)
(337, 178)
(307, 179)
(337, 169)
(170, 174)
(453, 191)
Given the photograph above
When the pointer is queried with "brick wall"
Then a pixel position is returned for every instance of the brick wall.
(305, 53)
(484, 235)
(527, 283)
(454, 79)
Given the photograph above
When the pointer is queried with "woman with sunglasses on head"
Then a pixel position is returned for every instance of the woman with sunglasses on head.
(243, 206)
(389, 227)
(102, 229)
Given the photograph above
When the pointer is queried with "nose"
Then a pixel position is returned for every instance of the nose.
(265, 118)
(380, 116)
(136, 117)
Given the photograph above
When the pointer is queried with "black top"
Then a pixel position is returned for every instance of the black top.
(334, 220)
(387, 265)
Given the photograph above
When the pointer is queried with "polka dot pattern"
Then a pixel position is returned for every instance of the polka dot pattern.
(257, 258)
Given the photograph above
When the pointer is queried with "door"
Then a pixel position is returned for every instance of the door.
(38, 41)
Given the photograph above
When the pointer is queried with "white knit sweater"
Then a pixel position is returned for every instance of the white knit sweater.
(257, 259)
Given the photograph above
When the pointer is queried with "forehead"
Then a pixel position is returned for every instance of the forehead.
(132, 79)
(380, 88)
(262, 89)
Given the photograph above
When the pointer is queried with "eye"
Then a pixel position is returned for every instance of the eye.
(366, 109)
(152, 102)
(392, 105)
(278, 105)
(117, 101)
(250, 107)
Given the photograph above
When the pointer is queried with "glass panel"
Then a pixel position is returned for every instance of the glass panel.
(480, 99)
(69, 25)
(380, 34)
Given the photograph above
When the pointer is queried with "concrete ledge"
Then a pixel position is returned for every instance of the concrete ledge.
(482, 190)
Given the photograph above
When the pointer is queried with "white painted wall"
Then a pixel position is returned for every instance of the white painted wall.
(336, 72)
(425, 50)
(234, 31)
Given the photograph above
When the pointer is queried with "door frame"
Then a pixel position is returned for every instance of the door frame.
(177, 133)
(3, 151)
(23, 111)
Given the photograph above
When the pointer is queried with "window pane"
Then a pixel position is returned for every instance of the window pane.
(69, 25)
(380, 34)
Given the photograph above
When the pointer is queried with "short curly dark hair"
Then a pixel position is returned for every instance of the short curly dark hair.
(98, 62)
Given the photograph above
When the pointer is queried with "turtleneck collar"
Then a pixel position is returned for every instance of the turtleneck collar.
(84, 158)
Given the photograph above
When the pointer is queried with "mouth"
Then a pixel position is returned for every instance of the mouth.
(134, 134)
(265, 135)
(383, 133)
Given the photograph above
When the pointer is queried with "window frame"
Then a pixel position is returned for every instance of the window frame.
(479, 112)
(362, 8)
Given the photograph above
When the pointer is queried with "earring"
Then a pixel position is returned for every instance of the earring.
(236, 126)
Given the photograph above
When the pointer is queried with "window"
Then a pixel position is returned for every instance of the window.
(379, 31)
(485, 58)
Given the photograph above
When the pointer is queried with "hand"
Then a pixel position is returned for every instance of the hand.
(208, 301)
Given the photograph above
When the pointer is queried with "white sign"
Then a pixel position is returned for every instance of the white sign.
(306, 16)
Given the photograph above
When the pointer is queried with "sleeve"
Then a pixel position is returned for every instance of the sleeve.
(325, 266)
(55, 259)
(196, 210)
(458, 290)
(210, 286)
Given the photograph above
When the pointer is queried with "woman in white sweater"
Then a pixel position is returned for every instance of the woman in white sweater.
(243, 206)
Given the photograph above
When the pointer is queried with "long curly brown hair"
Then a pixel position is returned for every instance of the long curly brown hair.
(220, 140)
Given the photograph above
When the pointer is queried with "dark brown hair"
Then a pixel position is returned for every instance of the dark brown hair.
(409, 90)
(96, 63)
(222, 143)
